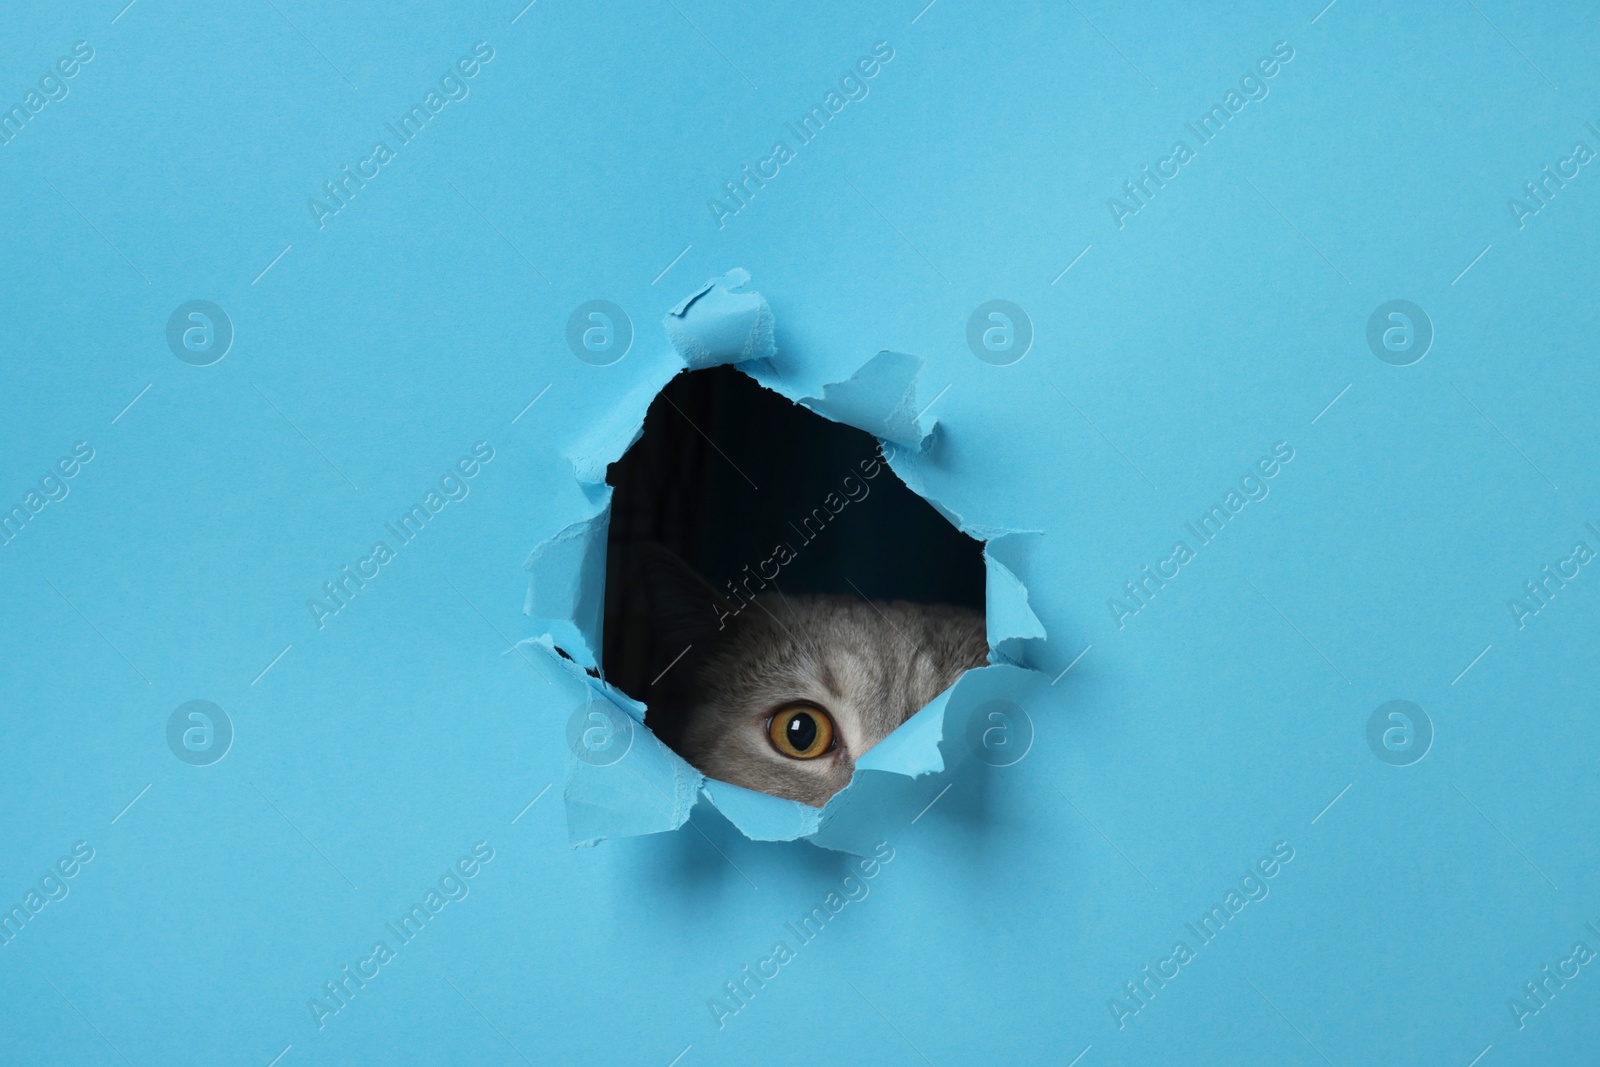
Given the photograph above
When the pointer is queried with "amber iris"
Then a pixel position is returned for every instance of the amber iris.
(801, 732)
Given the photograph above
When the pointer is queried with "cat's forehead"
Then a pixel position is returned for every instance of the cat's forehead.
(816, 647)
(821, 636)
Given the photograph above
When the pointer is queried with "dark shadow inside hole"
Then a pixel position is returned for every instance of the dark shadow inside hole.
(727, 470)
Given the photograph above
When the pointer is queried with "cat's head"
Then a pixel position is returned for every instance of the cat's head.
(783, 694)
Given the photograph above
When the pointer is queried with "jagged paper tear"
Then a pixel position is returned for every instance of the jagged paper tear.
(651, 789)
(865, 400)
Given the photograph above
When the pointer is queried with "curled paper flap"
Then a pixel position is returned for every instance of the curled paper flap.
(913, 747)
(567, 585)
(762, 817)
(716, 324)
(880, 398)
(650, 791)
(1015, 632)
(640, 787)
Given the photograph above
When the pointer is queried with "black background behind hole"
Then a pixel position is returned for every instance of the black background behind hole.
(677, 488)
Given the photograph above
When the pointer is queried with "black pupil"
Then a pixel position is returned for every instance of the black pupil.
(802, 731)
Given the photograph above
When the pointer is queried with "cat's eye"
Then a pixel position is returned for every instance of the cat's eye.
(801, 732)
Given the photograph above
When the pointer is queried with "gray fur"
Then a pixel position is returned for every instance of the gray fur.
(871, 666)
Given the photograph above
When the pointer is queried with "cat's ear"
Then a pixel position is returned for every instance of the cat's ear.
(683, 606)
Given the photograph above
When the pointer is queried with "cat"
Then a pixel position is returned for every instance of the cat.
(784, 694)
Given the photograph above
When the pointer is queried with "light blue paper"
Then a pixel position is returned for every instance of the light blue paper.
(201, 499)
